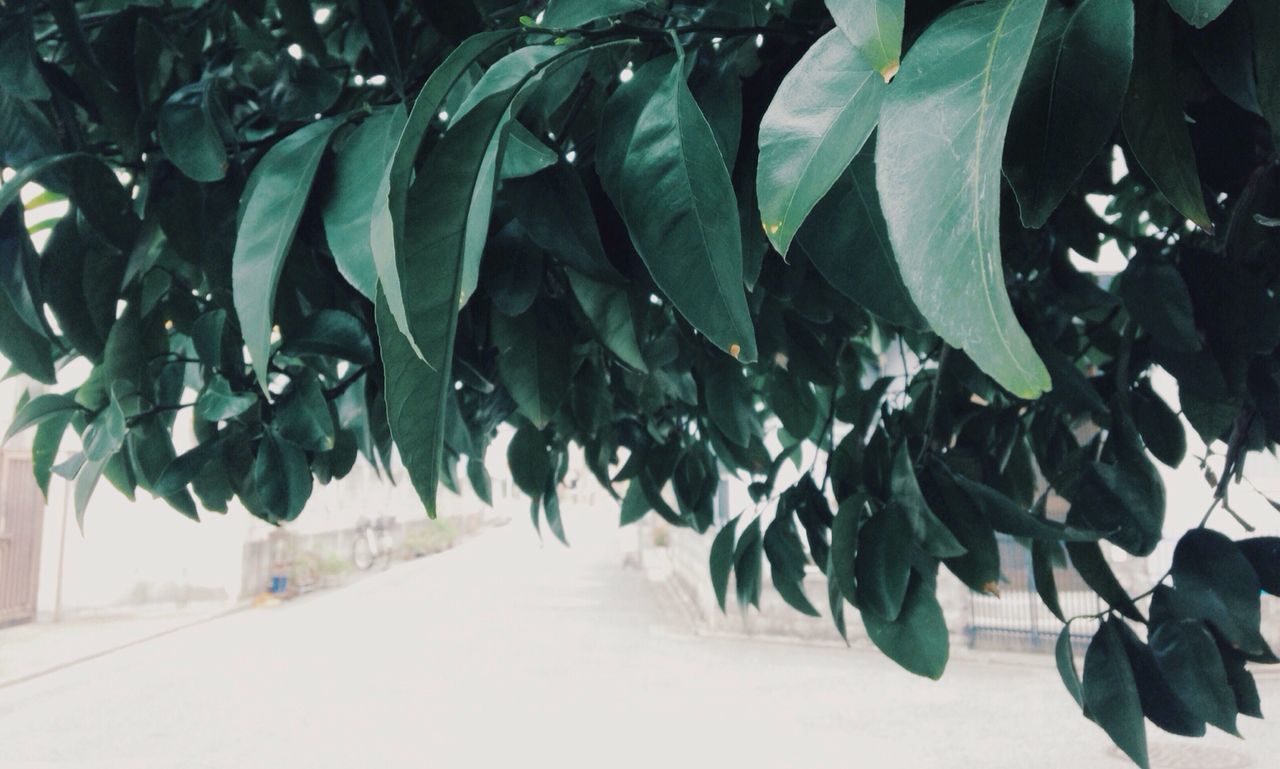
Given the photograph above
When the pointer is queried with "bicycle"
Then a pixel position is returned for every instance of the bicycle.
(373, 544)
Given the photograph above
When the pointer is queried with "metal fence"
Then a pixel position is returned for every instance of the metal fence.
(21, 521)
(1018, 619)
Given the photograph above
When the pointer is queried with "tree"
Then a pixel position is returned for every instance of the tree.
(672, 229)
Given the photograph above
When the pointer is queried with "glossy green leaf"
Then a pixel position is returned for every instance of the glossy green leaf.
(787, 560)
(185, 467)
(272, 204)
(302, 416)
(188, 132)
(656, 145)
(1188, 658)
(904, 493)
(45, 446)
(534, 363)
(608, 310)
(39, 409)
(1156, 295)
(525, 154)
(479, 479)
(820, 117)
(348, 211)
(414, 403)
(529, 460)
(722, 552)
(563, 14)
(1110, 693)
(105, 434)
(280, 480)
(847, 240)
(844, 545)
(938, 156)
(1065, 658)
(1216, 582)
(883, 564)
(1160, 427)
(217, 402)
(1199, 13)
(86, 481)
(1068, 101)
(1088, 560)
(1042, 574)
(556, 211)
(389, 221)
(1153, 118)
(1008, 517)
(979, 566)
(917, 639)
(874, 27)
(748, 565)
(333, 333)
(635, 505)
(1264, 555)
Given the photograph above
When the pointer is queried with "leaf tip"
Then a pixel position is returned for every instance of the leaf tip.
(735, 349)
(889, 70)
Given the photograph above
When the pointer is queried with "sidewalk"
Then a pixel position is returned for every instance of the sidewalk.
(40, 647)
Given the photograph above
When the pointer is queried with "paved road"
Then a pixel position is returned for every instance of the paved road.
(504, 653)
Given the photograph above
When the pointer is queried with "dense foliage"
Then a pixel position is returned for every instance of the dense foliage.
(664, 232)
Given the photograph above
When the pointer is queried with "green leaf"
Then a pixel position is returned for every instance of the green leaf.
(1188, 658)
(904, 492)
(272, 205)
(1065, 657)
(1160, 703)
(1159, 426)
(529, 460)
(938, 156)
(105, 434)
(556, 211)
(822, 114)
(478, 477)
(1088, 560)
(564, 14)
(217, 402)
(748, 565)
(415, 402)
(847, 240)
(608, 310)
(1042, 574)
(185, 467)
(917, 639)
(1153, 119)
(388, 222)
(979, 566)
(44, 448)
(792, 399)
(23, 346)
(280, 480)
(883, 564)
(525, 154)
(1264, 555)
(728, 399)
(1198, 13)
(333, 333)
(18, 56)
(1008, 517)
(1068, 102)
(86, 480)
(1214, 580)
(635, 504)
(188, 132)
(722, 553)
(1157, 297)
(1264, 17)
(534, 362)
(348, 211)
(787, 560)
(844, 545)
(875, 29)
(38, 410)
(656, 145)
(302, 415)
(1110, 692)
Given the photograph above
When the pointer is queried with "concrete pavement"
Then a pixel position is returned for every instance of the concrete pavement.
(507, 653)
